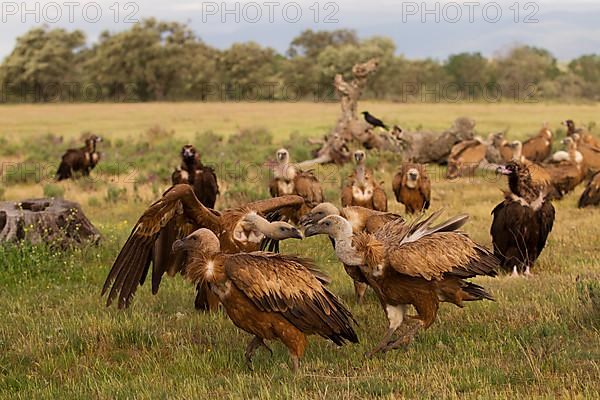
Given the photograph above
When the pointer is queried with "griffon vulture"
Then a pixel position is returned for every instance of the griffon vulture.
(412, 187)
(585, 137)
(270, 296)
(590, 153)
(566, 175)
(176, 215)
(289, 180)
(539, 147)
(522, 222)
(465, 157)
(361, 189)
(201, 177)
(362, 220)
(81, 160)
(591, 194)
(417, 264)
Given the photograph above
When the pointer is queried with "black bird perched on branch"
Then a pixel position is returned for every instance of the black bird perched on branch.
(374, 121)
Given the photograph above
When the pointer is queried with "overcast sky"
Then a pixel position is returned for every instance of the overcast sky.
(567, 28)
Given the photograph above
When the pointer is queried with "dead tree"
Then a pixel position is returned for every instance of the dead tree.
(53, 221)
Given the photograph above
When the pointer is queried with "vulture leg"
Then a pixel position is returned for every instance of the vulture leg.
(254, 344)
(384, 342)
(515, 273)
(427, 307)
(405, 339)
(395, 316)
(528, 271)
(359, 290)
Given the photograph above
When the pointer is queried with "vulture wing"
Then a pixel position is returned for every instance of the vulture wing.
(291, 287)
(176, 214)
(206, 186)
(380, 199)
(591, 194)
(308, 187)
(425, 190)
(430, 252)
(347, 198)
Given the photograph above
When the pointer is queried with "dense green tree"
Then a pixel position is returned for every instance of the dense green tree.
(310, 43)
(470, 72)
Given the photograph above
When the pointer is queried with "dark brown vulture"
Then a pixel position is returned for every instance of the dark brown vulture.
(270, 296)
(539, 147)
(412, 187)
(203, 178)
(361, 189)
(177, 214)
(585, 137)
(81, 160)
(362, 220)
(417, 264)
(591, 194)
(566, 174)
(289, 180)
(465, 157)
(539, 175)
(522, 222)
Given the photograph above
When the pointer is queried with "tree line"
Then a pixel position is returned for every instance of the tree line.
(167, 61)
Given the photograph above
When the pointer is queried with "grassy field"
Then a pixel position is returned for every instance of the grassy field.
(541, 338)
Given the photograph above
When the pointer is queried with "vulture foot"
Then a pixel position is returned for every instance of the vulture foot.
(254, 344)
(405, 340)
(359, 290)
(387, 339)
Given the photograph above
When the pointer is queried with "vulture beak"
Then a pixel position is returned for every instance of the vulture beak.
(296, 234)
(503, 170)
(308, 219)
(312, 230)
(180, 245)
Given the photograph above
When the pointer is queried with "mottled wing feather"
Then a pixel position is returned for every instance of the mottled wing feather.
(308, 187)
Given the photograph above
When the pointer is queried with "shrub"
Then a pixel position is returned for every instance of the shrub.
(114, 194)
(54, 191)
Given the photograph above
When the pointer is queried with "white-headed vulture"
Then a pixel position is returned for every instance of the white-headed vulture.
(361, 189)
(362, 220)
(417, 264)
(81, 160)
(412, 187)
(591, 194)
(177, 214)
(270, 296)
(201, 177)
(522, 222)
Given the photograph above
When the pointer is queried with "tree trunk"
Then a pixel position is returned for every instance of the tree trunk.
(53, 221)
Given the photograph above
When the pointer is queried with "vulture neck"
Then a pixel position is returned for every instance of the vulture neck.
(360, 174)
(344, 249)
(523, 187)
(262, 225)
(191, 165)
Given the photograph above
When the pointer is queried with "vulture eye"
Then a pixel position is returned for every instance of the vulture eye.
(282, 229)
(327, 223)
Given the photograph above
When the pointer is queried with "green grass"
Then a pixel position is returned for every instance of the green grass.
(541, 338)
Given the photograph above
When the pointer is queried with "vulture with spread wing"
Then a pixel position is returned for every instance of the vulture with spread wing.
(412, 187)
(417, 264)
(362, 220)
(201, 177)
(270, 296)
(361, 189)
(522, 222)
(289, 180)
(177, 214)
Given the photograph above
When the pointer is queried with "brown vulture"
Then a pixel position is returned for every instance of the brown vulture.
(289, 180)
(412, 187)
(539, 147)
(590, 153)
(81, 160)
(417, 264)
(539, 175)
(591, 194)
(499, 150)
(361, 189)
(362, 220)
(566, 175)
(270, 296)
(465, 157)
(522, 222)
(585, 137)
(201, 177)
(177, 214)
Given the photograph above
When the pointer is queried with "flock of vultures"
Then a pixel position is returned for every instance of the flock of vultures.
(232, 256)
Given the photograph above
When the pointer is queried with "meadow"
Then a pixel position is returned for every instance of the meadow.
(539, 339)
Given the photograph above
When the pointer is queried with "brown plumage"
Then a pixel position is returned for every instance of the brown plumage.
(522, 222)
(539, 176)
(174, 216)
(585, 137)
(361, 189)
(465, 157)
(362, 220)
(270, 296)
(590, 153)
(289, 180)
(499, 151)
(591, 194)
(412, 187)
(539, 147)
(417, 264)
(566, 175)
(81, 160)
(201, 177)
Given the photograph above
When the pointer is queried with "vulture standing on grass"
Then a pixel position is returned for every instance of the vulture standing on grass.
(465, 157)
(289, 180)
(361, 189)
(270, 296)
(539, 147)
(201, 177)
(585, 137)
(362, 220)
(412, 187)
(177, 214)
(567, 174)
(591, 194)
(81, 160)
(499, 150)
(590, 153)
(417, 264)
(522, 222)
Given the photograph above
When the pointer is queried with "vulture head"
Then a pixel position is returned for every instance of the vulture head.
(283, 156)
(91, 141)
(272, 230)
(204, 245)
(411, 177)
(189, 153)
(570, 124)
(497, 139)
(519, 178)
(359, 156)
(318, 213)
(334, 226)
(517, 149)
(545, 132)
